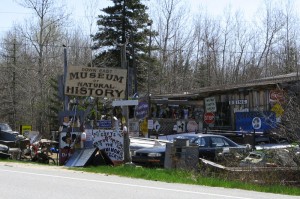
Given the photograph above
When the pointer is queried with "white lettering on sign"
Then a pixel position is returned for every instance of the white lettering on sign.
(110, 141)
(210, 104)
(101, 82)
(238, 102)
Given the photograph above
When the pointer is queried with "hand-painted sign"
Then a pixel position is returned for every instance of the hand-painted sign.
(210, 104)
(69, 141)
(97, 82)
(244, 120)
(111, 142)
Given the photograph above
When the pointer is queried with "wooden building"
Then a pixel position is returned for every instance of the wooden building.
(226, 107)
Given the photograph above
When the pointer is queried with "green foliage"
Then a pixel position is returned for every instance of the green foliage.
(121, 24)
(55, 105)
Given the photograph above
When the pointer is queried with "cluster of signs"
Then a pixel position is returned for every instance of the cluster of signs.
(96, 82)
(246, 120)
(111, 83)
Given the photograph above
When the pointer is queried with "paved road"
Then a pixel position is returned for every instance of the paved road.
(23, 181)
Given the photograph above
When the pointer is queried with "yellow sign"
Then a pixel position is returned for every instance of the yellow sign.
(144, 127)
(277, 109)
(25, 129)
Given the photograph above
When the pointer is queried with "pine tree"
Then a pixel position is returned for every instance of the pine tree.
(126, 22)
(55, 105)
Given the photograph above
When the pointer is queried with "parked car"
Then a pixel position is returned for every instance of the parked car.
(4, 151)
(209, 147)
(6, 133)
(4, 127)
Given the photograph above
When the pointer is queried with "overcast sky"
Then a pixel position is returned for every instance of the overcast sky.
(11, 12)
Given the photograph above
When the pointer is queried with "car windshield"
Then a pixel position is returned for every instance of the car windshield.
(5, 127)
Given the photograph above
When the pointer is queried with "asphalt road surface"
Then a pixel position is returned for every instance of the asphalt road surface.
(22, 181)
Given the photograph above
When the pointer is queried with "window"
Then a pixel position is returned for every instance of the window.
(219, 142)
(201, 142)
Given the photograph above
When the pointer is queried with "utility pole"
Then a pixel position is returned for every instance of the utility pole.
(148, 79)
(14, 88)
(66, 98)
(126, 143)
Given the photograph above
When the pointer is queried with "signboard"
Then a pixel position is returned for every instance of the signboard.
(192, 126)
(277, 109)
(180, 126)
(156, 126)
(256, 123)
(209, 118)
(277, 95)
(144, 127)
(68, 142)
(150, 124)
(238, 102)
(244, 120)
(96, 82)
(25, 129)
(104, 123)
(210, 104)
(141, 111)
(111, 142)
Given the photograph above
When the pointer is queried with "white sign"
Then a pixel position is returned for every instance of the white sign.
(150, 124)
(96, 82)
(210, 104)
(192, 126)
(156, 126)
(111, 142)
(180, 126)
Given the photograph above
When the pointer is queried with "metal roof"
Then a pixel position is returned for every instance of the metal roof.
(202, 92)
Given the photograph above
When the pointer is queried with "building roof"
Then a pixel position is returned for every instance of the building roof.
(250, 85)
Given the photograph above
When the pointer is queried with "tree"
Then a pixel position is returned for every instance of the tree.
(43, 32)
(289, 126)
(174, 46)
(123, 25)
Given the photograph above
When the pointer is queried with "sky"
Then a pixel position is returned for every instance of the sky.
(11, 13)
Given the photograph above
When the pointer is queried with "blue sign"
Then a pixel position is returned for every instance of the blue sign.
(104, 123)
(141, 111)
(244, 121)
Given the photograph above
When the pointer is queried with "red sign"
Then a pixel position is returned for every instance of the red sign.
(277, 95)
(209, 118)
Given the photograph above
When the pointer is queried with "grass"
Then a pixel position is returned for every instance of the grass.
(180, 176)
(185, 177)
